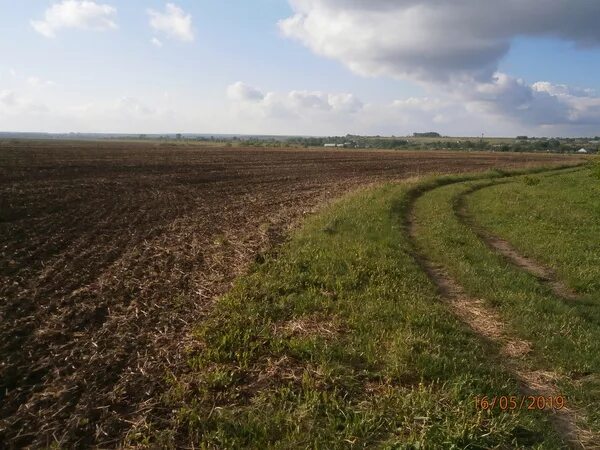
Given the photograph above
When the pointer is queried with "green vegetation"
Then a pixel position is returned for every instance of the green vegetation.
(557, 221)
(341, 340)
(415, 142)
(427, 141)
(545, 216)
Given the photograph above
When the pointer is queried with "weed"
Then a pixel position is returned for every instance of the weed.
(531, 181)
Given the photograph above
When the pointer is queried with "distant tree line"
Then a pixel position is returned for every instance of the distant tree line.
(430, 134)
(520, 144)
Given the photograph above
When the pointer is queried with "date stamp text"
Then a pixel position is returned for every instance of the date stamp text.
(520, 402)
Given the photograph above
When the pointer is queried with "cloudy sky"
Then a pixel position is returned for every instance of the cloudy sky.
(318, 67)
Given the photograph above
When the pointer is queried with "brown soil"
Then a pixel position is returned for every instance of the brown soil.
(544, 274)
(112, 251)
(484, 321)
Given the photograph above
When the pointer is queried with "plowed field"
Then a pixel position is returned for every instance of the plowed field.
(110, 251)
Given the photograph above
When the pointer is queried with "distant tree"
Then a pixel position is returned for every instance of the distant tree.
(554, 143)
(178, 136)
(430, 134)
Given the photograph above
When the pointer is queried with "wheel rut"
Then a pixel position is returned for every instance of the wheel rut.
(544, 274)
(487, 324)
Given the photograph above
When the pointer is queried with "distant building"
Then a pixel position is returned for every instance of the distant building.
(330, 145)
(582, 150)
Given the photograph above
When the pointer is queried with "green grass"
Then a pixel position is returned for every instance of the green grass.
(565, 335)
(556, 221)
(340, 341)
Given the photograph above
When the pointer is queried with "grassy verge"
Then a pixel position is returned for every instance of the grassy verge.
(554, 219)
(342, 341)
(565, 336)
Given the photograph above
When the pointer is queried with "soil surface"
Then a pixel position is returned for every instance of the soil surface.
(111, 251)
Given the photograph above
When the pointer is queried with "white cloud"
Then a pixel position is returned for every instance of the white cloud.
(156, 42)
(562, 89)
(242, 92)
(453, 48)
(346, 103)
(542, 103)
(301, 110)
(316, 112)
(81, 14)
(434, 40)
(293, 103)
(174, 22)
(501, 106)
(309, 100)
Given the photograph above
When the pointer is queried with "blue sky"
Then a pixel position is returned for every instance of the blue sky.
(279, 67)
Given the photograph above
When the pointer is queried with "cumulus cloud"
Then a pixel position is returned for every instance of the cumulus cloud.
(501, 106)
(81, 14)
(434, 40)
(240, 91)
(293, 103)
(174, 22)
(453, 48)
(346, 103)
(317, 112)
(542, 103)
(562, 89)
(156, 42)
(309, 100)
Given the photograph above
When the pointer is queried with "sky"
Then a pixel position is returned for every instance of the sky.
(301, 67)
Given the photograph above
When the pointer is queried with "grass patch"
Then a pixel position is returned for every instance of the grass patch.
(342, 341)
(565, 336)
(556, 222)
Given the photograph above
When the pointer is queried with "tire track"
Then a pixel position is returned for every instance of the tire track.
(487, 324)
(544, 274)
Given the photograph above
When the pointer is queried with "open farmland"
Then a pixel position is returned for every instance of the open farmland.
(112, 252)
